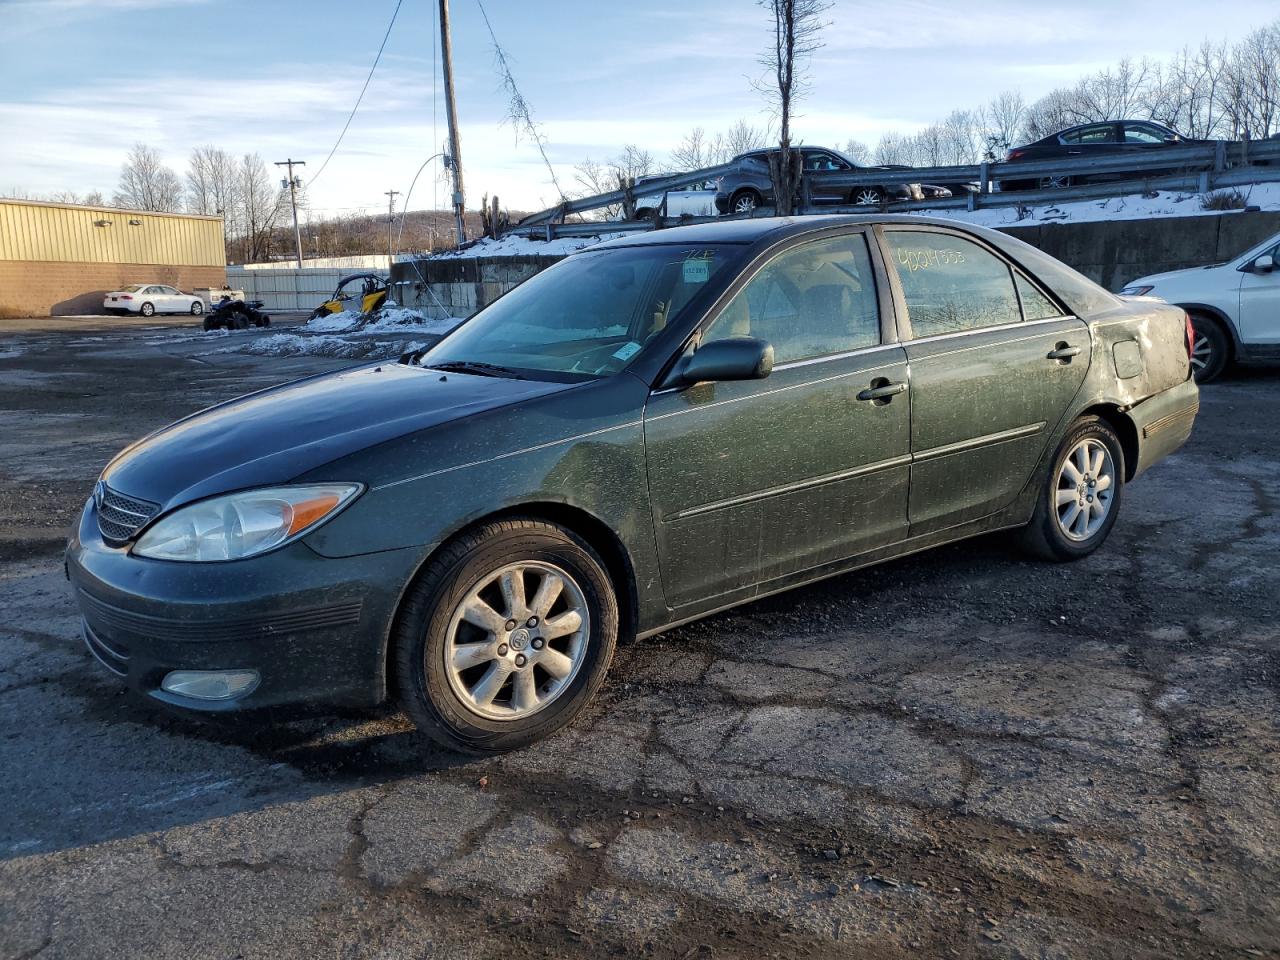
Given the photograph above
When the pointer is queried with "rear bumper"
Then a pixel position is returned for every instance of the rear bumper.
(1164, 422)
(314, 628)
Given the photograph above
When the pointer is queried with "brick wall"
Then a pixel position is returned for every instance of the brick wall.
(31, 288)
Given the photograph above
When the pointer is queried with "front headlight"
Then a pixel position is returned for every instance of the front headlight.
(1140, 290)
(243, 524)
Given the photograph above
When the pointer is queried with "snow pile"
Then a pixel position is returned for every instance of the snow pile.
(513, 245)
(390, 319)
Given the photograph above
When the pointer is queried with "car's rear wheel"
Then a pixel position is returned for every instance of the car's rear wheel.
(1210, 348)
(505, 637)
(197, 308)
(1080, 499)
(745, 201)
(147, 310)
(1055, 182)
(868, 196)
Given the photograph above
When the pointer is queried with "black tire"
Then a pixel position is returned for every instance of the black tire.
(147, 310)
(208, 324)
(420, 637)
(1044, 536)
(262, 320)
(266, 320)
(750, 200)
(866, 196)
(197, 309)
(240, 320)
(1211, 348)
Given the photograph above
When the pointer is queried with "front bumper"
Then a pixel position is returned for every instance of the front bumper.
(314, 628)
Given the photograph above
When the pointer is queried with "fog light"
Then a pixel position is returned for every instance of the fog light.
(211, 684)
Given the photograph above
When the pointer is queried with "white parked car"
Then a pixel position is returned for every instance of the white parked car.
(695, 200)
(149, 299)
(1234, 307)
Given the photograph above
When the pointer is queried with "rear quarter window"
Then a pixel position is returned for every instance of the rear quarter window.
(1081, 295)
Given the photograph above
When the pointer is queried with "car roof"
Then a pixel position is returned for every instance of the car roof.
(758, 229)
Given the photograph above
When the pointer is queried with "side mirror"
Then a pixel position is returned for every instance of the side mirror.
(1264, 264)
(736, 358)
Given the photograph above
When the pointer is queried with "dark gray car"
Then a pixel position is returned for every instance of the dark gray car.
(750, 186)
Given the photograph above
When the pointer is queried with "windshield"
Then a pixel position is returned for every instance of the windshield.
(587, 316)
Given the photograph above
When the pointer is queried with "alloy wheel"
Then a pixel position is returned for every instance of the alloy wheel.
(745, 203)
(516, 640)
(866, 196)
(1085, 488)
(1201, 353)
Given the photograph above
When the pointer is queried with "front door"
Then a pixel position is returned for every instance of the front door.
(1260, 304)
(754, 481)
(995, 363)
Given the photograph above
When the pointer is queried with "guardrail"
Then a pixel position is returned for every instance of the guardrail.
(1198, 168)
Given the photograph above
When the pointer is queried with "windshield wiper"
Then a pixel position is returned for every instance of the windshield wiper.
(478, 368)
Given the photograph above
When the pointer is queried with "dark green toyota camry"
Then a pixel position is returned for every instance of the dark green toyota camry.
(654, 429)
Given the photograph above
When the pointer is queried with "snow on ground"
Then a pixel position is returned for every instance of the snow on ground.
(1265, 196)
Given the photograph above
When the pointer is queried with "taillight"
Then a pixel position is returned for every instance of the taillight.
(125, 296)
(1015, 154)
(1191, 338)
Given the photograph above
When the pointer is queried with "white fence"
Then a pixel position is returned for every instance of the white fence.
(289, 288)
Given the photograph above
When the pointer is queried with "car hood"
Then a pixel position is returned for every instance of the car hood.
(1175, 276)
(278, 434)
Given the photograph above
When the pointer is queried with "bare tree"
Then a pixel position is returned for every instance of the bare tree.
(797, 25)
(1004, 117)
(146, 183)
(894, 148)
(691, 152)
(260, 204)
(857, 151)
(213, 181)
(743, 136)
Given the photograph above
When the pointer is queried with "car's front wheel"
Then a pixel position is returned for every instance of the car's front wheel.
(505, 637)
(1210, 348)
(1080, 499)
(197, 308)
(147, 310)
(867, 196)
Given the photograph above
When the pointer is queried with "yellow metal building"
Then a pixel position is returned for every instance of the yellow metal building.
(60, 258)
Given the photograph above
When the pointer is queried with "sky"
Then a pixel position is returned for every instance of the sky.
(82, 80)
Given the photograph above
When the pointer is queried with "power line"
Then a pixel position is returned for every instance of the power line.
(394, 14)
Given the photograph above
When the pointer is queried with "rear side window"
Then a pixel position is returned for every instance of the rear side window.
(951, 284)
(1101, 133)
(813, 300)
(1035, 305)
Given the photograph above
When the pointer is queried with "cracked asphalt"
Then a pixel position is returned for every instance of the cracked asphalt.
(959, 754)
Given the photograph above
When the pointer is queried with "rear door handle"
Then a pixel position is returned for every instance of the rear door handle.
(1064, 352)
(881, 390)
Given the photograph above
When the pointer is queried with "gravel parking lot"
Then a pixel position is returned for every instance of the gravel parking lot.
(963, 753)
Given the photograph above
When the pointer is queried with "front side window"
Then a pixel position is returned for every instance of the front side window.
(951, 284)
(588, 315)
(814, 300)
(823, 161)
(1133, 133)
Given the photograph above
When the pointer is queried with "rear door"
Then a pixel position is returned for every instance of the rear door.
(995, 363)
(755, 481)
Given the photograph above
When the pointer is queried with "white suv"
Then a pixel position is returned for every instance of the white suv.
(1234, 307)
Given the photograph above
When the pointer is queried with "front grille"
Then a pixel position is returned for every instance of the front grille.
(121, 516)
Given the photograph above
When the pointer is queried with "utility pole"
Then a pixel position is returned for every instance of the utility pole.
(293, 184)
(451, 113)
(391, 217)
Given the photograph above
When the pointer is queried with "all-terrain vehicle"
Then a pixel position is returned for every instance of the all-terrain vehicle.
(373, 294)
(236, 315)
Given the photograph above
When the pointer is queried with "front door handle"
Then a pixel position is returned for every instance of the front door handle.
(1063, 352)
(882, 390)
